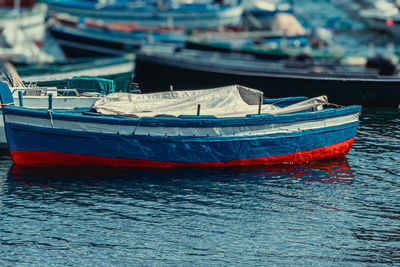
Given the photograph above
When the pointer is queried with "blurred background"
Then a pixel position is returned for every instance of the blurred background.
(270, 45)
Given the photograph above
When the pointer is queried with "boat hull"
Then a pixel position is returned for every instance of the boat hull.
(223, 16)
(75, 46)
(42, 102)
(39, 138)
(87, 42)
(35, 158)
(191, 75)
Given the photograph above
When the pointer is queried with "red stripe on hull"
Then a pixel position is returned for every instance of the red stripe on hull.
(32, 158)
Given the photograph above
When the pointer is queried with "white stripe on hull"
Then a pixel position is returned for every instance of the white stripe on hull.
(90, 127)
(42, 102)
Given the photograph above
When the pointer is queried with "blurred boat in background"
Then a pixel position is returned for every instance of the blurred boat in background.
(80, 34)
(26, 16)
(22, 32)
(348, 81)
(287, 38)
(379, 16)
(118, 69)
(281, 53)
(94, 38)
(153, 13)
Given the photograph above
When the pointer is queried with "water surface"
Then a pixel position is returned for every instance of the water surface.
(342, 212)
(338, 212)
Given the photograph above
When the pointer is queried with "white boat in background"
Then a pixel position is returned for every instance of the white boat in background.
(31, 20)
(22, 32)
(17, 47)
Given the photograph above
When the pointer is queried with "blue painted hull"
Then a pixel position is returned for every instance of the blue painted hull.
(187, 16)
(63, 144)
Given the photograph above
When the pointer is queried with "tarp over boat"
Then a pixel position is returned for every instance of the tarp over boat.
(91, 84)
(229, 101)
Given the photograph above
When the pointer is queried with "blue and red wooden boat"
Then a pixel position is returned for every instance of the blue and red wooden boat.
(226, 126)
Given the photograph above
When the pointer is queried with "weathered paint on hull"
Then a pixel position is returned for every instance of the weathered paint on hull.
(33, 158)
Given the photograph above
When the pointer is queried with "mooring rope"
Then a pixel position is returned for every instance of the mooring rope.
(51, 118)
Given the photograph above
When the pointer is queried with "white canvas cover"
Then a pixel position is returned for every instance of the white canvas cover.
(288, 24)
(229, 101)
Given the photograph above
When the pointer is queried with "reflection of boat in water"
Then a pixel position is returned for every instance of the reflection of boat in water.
(328, 171)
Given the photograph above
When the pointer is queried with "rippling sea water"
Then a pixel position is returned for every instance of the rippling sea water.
(339, 212)
(342, 212)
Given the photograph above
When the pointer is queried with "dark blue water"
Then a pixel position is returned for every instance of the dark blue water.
(341, 212)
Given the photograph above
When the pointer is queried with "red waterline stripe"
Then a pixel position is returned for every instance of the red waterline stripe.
(32, 158)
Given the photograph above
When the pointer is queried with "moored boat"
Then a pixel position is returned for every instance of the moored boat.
(273, 46)
(226, 126)
(93, 38)
(144, 13)
(27, 17)
(118, 69)
(386, 23)
(344, 83)
(287, 38)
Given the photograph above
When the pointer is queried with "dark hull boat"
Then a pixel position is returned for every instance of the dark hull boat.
(189, 69)
(95, 40)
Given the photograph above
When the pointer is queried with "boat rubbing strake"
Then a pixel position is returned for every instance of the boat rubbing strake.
(226, 126)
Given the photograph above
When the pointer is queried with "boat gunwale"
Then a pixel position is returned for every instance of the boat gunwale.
(146, 11)
(125, 38)
(188, 138)
(187, 64)
(186, 121)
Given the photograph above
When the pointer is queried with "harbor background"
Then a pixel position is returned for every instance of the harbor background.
(338, 212)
